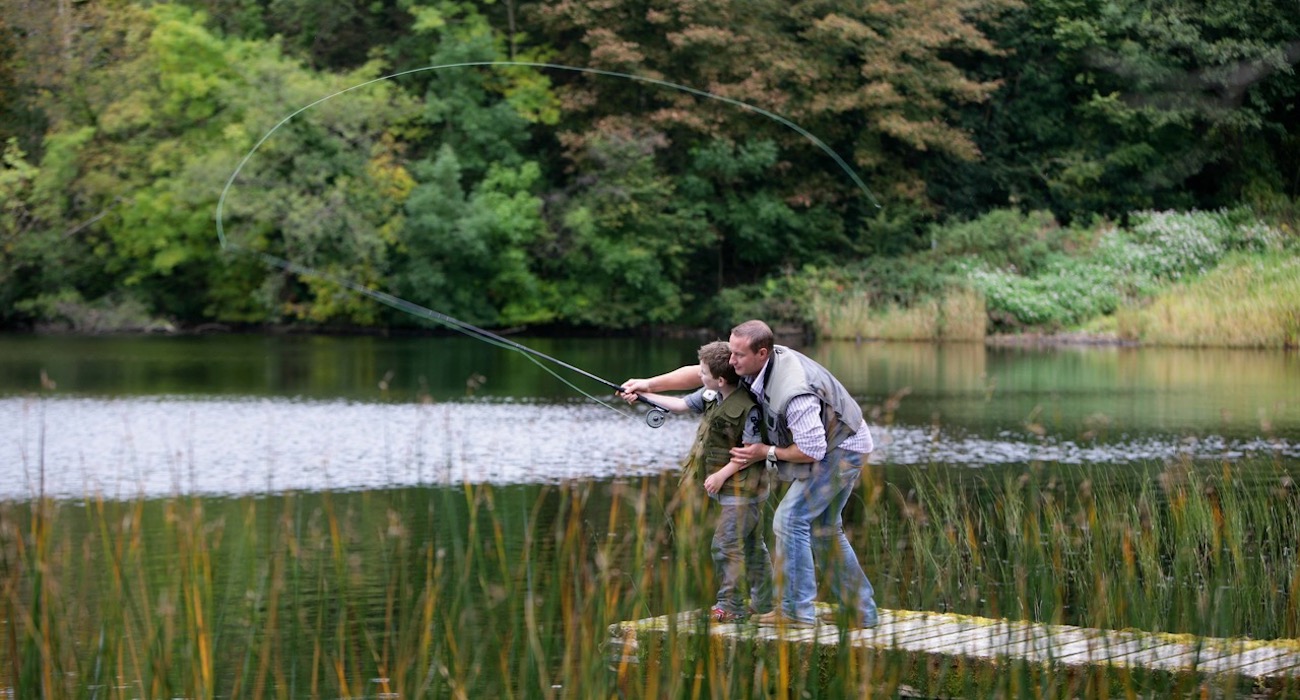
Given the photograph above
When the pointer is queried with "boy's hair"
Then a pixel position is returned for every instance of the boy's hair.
(757, 333)
(717, 357)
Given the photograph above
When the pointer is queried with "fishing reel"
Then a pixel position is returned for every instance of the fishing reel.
(656, 417)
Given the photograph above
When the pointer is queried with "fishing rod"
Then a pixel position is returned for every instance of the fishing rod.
(654, 418)
(657, 413)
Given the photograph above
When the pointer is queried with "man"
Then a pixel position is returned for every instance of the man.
(817, 437)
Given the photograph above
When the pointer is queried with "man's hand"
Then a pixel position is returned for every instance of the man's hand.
(631, 388)
(756, 452)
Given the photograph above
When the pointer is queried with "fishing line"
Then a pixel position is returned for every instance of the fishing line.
(656, 416)
(653, 419)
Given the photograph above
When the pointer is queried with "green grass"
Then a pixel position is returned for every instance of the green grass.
(1197, 278)
(508, 592)
(1248, 301)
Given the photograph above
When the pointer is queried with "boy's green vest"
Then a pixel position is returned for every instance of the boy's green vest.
(721, 428)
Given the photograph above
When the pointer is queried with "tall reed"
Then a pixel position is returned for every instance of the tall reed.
(481, 591)
(1248, 301)
(958, 315)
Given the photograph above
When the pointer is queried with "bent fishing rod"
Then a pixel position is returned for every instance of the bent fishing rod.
(654, 418)
(658, 413)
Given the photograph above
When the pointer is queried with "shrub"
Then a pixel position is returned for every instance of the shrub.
(1004, 239)
(1123, 266)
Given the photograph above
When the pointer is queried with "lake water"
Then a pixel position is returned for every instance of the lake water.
(337, 485)
(124, 417)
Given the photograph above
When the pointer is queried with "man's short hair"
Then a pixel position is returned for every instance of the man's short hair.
(717, 357)
(758, 334)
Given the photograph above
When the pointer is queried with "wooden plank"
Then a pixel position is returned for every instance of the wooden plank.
(1234, 663)
(985, 639)
(1279, 667)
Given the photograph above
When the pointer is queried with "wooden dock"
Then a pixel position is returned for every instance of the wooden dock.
(1266, 668)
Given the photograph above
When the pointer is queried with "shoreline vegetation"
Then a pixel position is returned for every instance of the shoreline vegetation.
(1191, 279)
(934, 172)
(1188, 279)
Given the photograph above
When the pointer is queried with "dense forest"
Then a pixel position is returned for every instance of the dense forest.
(603, 164)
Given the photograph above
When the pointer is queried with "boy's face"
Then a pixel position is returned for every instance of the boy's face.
(747, 362)
(710, 381)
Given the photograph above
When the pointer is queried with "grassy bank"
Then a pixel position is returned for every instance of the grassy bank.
(1247, 301)
(483, 592)
(1223, 278)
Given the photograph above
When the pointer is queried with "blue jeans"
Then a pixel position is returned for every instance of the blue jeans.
(740, 559)
(808, 527)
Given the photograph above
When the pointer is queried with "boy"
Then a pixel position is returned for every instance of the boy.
(730, 419)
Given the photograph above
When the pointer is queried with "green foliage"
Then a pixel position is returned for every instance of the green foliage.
(335, 36)
(757, 229)
(11, 102)
(785, 299)
(878, 84)
(1110, 107)
(1005, 239)
(1124, 266)
(21, 259)
(1031, 272)
(629, 203)
(623, 239)
(470, 254)
(1063, 295)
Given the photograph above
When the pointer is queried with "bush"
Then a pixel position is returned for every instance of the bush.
(1027, 272)
(1065, 294)
(1124, 266)
(1005, 239)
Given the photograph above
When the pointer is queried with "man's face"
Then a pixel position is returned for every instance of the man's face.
(747, 362)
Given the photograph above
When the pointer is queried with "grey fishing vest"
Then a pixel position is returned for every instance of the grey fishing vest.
(790, 374)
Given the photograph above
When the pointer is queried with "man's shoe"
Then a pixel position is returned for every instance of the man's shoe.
(832, 617)
(778, 619)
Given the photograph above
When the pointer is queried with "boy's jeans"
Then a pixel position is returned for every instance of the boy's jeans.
(740, 554)
(807, 524)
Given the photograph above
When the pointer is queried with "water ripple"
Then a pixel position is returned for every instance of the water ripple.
(151, 447)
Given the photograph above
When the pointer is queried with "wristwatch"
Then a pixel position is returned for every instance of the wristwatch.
(771, 454)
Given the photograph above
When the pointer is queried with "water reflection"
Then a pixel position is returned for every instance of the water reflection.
(1077, 392)
(124, 448)
(255, 414)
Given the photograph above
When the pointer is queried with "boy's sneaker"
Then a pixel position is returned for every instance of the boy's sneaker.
(718, 614)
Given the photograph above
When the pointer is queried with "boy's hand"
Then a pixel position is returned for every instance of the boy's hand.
(713, 483)
(629, 390)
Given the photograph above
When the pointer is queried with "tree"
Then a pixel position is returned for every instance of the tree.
(143, 161)
(753, 226)
(1111, 107)
(878, 82)
(624, 238)
(474, 227)
(470, 254)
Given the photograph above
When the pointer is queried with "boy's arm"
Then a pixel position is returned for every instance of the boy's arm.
(714, 482)
(676, 404)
